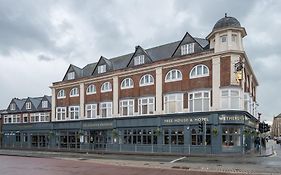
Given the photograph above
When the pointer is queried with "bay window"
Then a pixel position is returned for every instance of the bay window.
(199, 101)
(173, 103)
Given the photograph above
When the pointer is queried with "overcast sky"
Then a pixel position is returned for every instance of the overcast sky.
(40, 38)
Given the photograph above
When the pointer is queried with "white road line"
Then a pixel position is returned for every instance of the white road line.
(173, 161)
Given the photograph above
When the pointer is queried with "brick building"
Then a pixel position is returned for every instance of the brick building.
(19, 119)
(276, 126)
(153, 99)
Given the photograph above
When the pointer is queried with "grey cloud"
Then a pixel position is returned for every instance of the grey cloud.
(42, 57)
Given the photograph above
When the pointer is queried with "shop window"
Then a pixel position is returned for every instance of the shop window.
(18, 138)
(231, 136)
(197, 138)
(174, 136)
(140, 136)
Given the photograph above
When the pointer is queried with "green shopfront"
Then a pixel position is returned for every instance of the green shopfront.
(224, 132)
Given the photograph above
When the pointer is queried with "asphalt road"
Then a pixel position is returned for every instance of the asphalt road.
(11, 165)
(83, 164)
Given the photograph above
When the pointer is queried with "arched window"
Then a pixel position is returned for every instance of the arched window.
(199, 71)
(91, 89)
(173, 75)
(106, 87)
(127, 83)
(74, 92)
(61, 94)
(146, 80)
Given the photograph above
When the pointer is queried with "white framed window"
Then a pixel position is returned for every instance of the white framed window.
(247, 102)
(39, 117)
(146, 80)
(61, 94)
(106, 87)
(139, 60)
(91, 89)
(74, 92)
(199, 71)
(230, 99)
(127, 83)
(223, 38)
(13, 106)
(146, 105)
(73, 112)
(199, 101)
(173, 103)
(12, 118)
(127, 107)
(101, 69)
(105, 109)
(44, 104)
(28, 105)
(187, 49)
(61, 113)
(173, 75)
(91, 111)
(234, 38)
(25, 118)
(70, 75)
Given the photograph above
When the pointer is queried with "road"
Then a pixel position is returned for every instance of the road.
(12, 165)
(84, 164)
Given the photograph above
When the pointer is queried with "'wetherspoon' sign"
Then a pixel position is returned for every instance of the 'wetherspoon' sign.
(186, 120)
(234, 118)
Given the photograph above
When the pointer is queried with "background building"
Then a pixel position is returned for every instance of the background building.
(20, 118)
(276, 126)
(155, 99)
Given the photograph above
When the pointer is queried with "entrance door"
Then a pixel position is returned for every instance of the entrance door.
(99, 139)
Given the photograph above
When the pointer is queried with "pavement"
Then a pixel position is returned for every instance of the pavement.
(268, 162)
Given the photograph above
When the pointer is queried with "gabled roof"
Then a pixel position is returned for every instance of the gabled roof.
(142, 51)
(186, 36)
(78, 71)
(35, 104)
(157, 53)
(107, 61)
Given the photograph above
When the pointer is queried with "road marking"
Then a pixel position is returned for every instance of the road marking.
(173, 161)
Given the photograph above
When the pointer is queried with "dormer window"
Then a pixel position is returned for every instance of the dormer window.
(44, 104)
(12, 107)
(187, 49)
(70, 75)
(28, 105)
(74, 92)
(139, 60)
(101, 69)
(223, 38)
